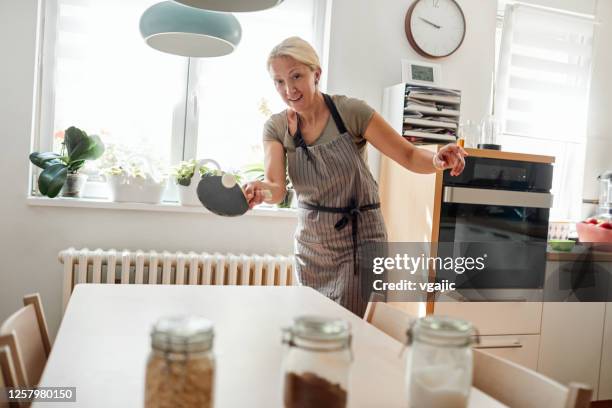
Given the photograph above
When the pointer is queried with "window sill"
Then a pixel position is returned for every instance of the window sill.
(263, 211)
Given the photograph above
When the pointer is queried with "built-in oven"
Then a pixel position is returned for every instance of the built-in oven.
(497, 209)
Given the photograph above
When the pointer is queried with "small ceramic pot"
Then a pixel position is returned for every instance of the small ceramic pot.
(73, 186)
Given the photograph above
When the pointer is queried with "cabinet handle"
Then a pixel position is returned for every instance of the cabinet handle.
(500, 345)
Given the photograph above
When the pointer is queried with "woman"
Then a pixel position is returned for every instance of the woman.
(322, 140)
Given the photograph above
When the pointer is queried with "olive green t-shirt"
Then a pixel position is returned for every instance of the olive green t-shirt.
(355, 113)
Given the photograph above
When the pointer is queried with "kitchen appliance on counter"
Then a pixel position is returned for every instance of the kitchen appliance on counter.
(500, 197)
(498, 207)
(605, 194)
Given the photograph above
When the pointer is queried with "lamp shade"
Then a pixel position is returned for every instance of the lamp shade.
(231, 5)
(181, 30)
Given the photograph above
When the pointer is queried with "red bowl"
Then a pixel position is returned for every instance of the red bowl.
(595, 234)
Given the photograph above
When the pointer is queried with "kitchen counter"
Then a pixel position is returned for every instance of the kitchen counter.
(586, 252)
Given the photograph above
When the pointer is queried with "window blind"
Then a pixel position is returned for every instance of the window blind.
(544, 72)
(541, 94)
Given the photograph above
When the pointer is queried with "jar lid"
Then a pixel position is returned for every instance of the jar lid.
(181, 334)
(320, 328)
(442, 331)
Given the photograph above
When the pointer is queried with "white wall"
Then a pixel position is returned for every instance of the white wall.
(367, 43)
(599, 131)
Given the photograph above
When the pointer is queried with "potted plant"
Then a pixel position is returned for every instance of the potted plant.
(187, 178)
(61, 171)
(133, 178)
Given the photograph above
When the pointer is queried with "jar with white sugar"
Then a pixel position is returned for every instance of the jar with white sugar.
(181, 367)
(440, 363)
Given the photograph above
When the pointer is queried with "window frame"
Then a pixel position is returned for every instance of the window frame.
(567, 208)
(184, 137)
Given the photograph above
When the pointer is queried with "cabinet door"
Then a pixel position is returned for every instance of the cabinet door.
(496, 318)
(570, 342)
(605, 374)
(522, 350)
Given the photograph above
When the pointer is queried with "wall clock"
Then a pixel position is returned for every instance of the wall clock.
(435, 28)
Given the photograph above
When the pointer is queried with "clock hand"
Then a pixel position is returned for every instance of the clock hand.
(430, 23)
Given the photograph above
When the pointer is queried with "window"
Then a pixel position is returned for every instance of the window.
(541, 94)
(99, 75)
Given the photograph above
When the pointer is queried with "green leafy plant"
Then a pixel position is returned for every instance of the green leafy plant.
(253, 171)
(131, 162)
(128, 162)
(76, 149)
(185, 170)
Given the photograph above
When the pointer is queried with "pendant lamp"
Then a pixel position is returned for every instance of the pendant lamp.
(190, 32)
(231, 5)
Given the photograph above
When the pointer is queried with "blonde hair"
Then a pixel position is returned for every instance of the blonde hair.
(299, 50)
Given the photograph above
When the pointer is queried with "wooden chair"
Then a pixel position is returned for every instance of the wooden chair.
(8, 378)
(518, 386)
(386, 318)
(26, 335)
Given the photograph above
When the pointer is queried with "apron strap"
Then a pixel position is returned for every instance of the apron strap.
(299, 140)
(334, 113)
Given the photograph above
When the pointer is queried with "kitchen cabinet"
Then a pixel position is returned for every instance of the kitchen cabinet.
(496, 318)
(570, 342)
(605, 371)
(576, 337)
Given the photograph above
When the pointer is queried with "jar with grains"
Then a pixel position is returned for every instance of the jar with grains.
(181, 367)
(317, 362)
(440, 363)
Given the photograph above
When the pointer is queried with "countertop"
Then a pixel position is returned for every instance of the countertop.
(581, 251)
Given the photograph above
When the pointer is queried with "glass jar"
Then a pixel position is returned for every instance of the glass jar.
(489, 133)
(469, 131)
(440, 363)
(181, 366)
(317, 362)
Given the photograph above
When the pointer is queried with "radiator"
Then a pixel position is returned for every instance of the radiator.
(172, 268)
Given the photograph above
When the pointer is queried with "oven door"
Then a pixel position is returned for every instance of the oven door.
(508, 227)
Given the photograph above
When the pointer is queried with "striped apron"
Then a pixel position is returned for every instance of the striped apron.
(338, 211)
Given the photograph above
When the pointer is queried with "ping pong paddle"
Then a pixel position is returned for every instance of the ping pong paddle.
(221, 195)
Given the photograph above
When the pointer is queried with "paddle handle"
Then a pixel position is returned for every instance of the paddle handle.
(267, 194)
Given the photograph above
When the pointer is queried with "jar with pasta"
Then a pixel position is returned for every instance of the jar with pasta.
(181, 368)
(317, 363)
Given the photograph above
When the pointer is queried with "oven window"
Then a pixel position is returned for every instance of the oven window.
(514, 239)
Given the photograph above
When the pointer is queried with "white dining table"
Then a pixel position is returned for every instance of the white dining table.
(103, 343)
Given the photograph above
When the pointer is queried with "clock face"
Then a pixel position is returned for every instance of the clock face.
(435, 28)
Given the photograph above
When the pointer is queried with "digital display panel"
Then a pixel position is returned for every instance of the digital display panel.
(421, 73)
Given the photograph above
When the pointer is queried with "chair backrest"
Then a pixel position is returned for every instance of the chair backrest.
(388, 319)
(8, 377)
(26, 335)
(518, 386)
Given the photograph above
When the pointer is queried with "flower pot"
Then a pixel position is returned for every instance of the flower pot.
(188, 195)
(124, 188)
(73, 186)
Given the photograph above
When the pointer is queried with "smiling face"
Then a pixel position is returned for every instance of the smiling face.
(295, 82)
